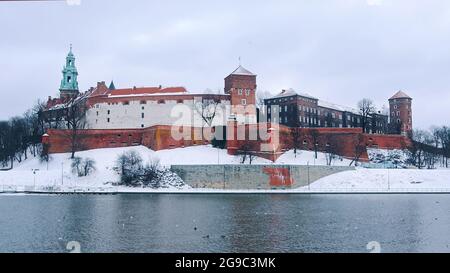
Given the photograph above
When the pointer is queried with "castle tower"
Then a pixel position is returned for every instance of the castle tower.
(69, 82)
(401, 113)
(241, 86)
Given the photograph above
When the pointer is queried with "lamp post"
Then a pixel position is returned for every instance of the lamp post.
(309, 184)
(62, 173)
(34, 177)
(315, 152)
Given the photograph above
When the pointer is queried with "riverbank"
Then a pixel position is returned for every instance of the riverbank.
(56, 176)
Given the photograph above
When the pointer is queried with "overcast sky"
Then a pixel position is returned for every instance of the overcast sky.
(336, 50)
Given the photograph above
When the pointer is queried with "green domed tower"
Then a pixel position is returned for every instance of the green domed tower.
(69, 82)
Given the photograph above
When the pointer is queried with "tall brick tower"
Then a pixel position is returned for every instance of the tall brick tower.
(401, 113)
(241, 85)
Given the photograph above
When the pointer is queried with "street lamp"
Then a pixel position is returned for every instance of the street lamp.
(34, 177)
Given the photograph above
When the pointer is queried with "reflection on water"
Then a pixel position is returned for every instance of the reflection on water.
(225, 223)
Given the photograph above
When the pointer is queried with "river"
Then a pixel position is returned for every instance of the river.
(225, 222)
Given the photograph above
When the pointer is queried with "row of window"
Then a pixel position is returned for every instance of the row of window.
(290, 99)
(241, 91)
(108, 120)
(141, 102)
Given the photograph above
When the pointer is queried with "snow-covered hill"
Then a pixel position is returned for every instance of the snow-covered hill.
(57, 173)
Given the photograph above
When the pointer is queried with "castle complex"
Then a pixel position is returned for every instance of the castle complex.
(110, 110)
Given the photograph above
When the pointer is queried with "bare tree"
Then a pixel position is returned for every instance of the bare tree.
(366, 109)
(331, 149)
(261, 96)
(417, 148)
(207, 109)
(75, 117)
(245, 151)
(359, 146)
(315, 140)
(7, 145)
(296, 140)
(445, 140)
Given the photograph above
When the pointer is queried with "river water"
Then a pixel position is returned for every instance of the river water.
(225, 223)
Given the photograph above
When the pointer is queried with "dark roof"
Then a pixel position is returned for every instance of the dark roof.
(242, 71)
(400, 95)
(292, 92)
(112, 86)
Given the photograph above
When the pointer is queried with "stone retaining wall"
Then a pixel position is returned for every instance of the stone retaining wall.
(253, 177)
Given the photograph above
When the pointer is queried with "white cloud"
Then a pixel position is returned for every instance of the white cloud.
(338, 50)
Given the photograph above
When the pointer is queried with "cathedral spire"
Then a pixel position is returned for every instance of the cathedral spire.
(112, 86)
(69, 82)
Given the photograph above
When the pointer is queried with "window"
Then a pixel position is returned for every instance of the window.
(109, 112)
(142, 107)
(179, 101)
(126, 103)
(398, 113)
(143, 102)
(69, 79)
(247, 92)
(108, 120)
(285, 108)
(142, 115)
(244, 102)
(142, 125)
(161, 102)
(97, 113)
(395, 106)
(240, 91)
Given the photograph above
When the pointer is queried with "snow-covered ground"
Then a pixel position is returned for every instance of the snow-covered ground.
(57, 173)
(374, 180)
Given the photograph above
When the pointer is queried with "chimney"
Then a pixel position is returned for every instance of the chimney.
(134, 87)
(160, 86)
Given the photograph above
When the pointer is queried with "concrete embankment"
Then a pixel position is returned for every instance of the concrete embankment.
(253, 177)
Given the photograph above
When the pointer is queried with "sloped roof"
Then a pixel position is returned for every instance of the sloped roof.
(147, 90)
(292, 92)
(112, 86)
(338, 107)
(242, 71)
(400, 95)
(100, 90)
